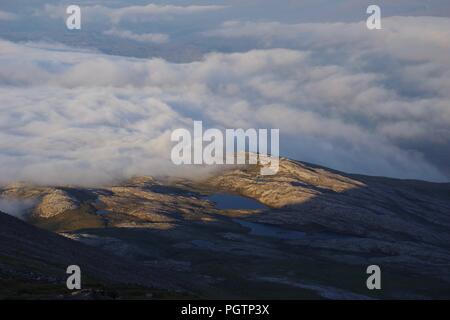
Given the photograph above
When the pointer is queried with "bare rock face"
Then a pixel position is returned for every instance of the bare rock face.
(143, 203)
(47, 201)
(55, 203)
(295, 183)
(379, 208)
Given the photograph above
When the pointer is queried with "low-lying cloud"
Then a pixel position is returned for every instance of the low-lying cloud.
(356, 101)
(7, 16)
(132, 13)
(157, 38)
(16, 208)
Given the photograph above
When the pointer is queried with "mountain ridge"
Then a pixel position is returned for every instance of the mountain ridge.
(348, 222)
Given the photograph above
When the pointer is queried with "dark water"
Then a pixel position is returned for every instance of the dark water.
(231, 201)
(102, 212)
(259, 229)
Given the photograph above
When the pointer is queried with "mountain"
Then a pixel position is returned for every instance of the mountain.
(33, 264)
(307, 232)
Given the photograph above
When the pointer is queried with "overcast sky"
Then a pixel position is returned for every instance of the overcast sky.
(97, 104)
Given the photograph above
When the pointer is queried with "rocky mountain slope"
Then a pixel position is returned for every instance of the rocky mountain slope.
(311, 233)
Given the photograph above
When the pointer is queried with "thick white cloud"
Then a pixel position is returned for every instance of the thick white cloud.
(397, 79)
(362, 103)
(409, 38)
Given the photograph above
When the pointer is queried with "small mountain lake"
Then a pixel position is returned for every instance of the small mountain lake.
(226, 201)
(259, 229)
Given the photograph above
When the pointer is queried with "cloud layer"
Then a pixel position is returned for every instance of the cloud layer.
(157, 38)
(132, 13)
(7, 16)
(363, 102)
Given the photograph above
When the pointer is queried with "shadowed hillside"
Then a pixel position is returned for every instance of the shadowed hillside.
(33, 264)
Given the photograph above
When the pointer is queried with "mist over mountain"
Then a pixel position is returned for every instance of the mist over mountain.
(16, 208)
